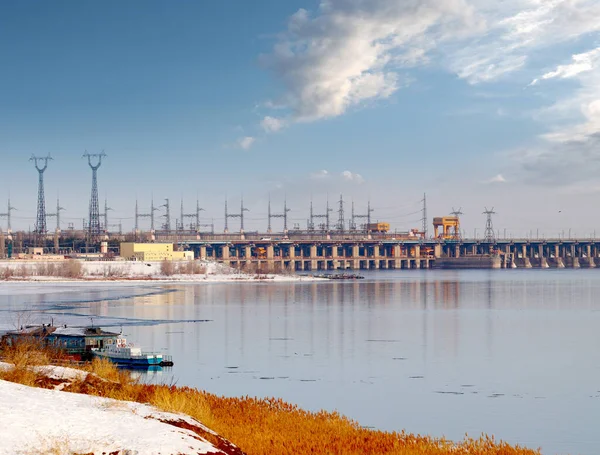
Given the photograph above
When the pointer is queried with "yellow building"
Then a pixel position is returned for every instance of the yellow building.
(450, 227)
(153, 252)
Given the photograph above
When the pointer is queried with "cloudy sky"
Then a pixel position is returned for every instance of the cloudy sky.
(478, 103)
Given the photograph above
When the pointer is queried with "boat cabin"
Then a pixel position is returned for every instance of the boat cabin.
(76, 341)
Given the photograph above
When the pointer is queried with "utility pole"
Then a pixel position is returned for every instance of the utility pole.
(167, 216)
(490, 235)
(242, 210)
(366, 216)
(283, 215)
(105, 214)
(40, 223)
(341, 221)
(56, 214)
(236, 215)
(424, 218)
(94, 216)
(150, 215)
(323, 226)
(269, 230)
(191, 215)
(8, 215)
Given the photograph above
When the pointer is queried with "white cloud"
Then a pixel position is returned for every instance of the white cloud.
(350, 52)
(518, 28)
(587, 61)
(272, 124)
(496, 179)
(352, 177)
(570, 152)
(347, 52)
(319, 174)
(246, 142)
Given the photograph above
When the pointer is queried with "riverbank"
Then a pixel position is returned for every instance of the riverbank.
(254, 426)
(70, 271)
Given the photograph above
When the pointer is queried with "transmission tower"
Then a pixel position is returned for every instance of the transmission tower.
(8, 215)
(56, 214)
(283, 215)
(366, 216)
(235, 215)
(94, 216)
(424, 218)
(167, 216)
(457, 214)
(40, 221)
(341, 221)
(490, 235)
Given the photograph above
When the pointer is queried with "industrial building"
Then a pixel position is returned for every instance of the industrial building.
(153, 252)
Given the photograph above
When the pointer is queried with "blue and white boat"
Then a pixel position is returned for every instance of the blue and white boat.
(121, 353)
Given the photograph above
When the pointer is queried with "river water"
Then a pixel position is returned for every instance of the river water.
(513, 353)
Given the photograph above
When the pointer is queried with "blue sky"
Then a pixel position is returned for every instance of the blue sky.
(476, 102)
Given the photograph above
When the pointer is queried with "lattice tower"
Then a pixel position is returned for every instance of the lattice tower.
(94, 215)
(40, 221)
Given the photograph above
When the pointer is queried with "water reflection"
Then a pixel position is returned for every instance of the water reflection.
(514, 351)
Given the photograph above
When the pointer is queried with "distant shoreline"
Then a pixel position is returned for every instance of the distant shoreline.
(75, 271)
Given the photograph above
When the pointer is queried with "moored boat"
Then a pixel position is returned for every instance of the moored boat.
(121, 353)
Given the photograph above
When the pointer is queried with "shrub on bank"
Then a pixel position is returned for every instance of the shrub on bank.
(71, 268)
(167, 268)
(260, 426)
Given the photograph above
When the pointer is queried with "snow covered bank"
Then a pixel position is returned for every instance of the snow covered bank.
(42, 421)
(135, 271)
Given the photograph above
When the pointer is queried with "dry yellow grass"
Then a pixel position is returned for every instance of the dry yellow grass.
(24, 355)
(270, 426)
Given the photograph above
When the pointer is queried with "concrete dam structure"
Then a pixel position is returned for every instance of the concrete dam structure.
(330, 253)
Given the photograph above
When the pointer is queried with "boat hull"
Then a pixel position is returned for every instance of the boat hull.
(132, 362)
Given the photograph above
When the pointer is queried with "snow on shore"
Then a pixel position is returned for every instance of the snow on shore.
(126, 271)
(37, 420)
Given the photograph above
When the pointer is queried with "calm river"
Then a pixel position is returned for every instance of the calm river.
(513, 353)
